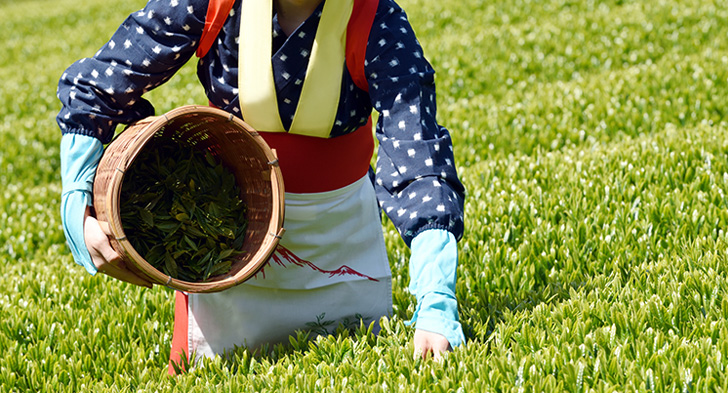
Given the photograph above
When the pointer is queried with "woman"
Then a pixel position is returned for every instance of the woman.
(290, 80)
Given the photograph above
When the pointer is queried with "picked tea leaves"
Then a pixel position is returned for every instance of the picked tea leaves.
(182, 211)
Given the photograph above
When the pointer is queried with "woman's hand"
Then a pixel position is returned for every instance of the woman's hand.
(106, 259)
(430, 343)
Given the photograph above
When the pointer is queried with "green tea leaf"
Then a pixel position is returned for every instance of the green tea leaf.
(210, 159)
(147, 217)
(170, 265)
(226, 253)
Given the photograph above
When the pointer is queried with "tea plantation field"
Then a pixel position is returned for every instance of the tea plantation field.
(590, 135)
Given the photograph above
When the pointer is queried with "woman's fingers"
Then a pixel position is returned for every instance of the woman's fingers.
(106, 259)
(429, 343)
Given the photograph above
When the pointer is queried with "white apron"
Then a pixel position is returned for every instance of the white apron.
(330, 268)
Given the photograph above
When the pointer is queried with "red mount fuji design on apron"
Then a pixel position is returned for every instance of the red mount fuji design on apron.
(284, 256)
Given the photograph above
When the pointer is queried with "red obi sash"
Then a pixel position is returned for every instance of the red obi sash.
(311, 164)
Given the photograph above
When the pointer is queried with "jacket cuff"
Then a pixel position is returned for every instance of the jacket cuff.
(433, 265)
(438, 313)
(73, 208)
(80, 155)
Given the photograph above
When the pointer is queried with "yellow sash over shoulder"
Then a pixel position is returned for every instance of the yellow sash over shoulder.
(319, 101)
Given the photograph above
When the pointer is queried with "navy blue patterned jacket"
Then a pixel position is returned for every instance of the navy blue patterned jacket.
(416, 181)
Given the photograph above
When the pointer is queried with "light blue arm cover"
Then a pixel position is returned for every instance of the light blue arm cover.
(80, 155)
(432, 281)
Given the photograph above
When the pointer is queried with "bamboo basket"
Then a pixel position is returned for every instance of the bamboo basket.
(242, 151)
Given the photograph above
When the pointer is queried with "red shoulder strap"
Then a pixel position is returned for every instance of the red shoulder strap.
(217, 13)
(357, 36)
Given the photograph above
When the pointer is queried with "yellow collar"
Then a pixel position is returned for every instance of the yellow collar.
(319, 101)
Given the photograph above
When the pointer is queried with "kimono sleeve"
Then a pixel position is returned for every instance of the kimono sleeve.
(416, 179)
(102, 91)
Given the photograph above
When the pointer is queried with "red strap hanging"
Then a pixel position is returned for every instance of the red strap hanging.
(217, 13)
(357, 36)
(179, 334)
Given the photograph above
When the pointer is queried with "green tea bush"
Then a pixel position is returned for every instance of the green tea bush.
(590, 136)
